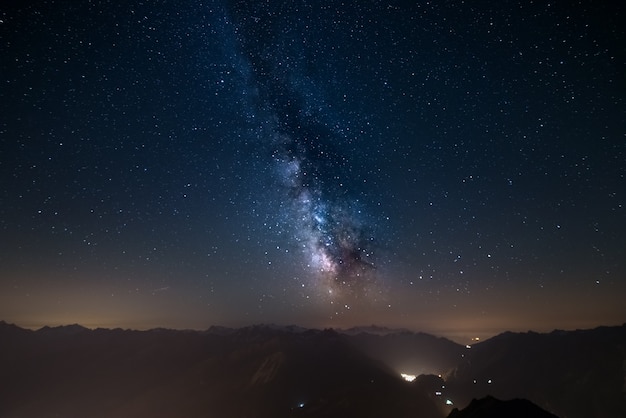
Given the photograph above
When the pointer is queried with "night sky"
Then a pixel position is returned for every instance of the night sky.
(454, 167)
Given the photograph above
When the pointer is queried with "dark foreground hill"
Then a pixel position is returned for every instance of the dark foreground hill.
(490, 407)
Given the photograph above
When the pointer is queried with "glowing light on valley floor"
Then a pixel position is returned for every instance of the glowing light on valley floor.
(408, 377)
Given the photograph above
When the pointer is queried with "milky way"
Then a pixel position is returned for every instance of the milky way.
(330, 234)
(420, 164)
(320, 214)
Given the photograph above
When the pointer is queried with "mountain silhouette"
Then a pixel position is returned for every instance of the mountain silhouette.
(490, 407)
(574, 374)
(254, 371)
(276, 371)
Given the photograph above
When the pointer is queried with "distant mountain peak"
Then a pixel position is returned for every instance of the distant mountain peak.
(6, 326)
(71, 329)
(373, 329)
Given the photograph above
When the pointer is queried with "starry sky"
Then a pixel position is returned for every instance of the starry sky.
(454, 167)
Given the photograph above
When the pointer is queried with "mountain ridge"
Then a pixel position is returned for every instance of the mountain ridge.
(165, 373)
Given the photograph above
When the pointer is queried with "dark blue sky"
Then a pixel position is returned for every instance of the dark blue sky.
(455, 167)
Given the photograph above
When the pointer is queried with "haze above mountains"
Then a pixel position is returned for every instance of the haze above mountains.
(263, 371)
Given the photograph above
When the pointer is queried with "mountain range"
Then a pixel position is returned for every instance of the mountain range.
(274, 371)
